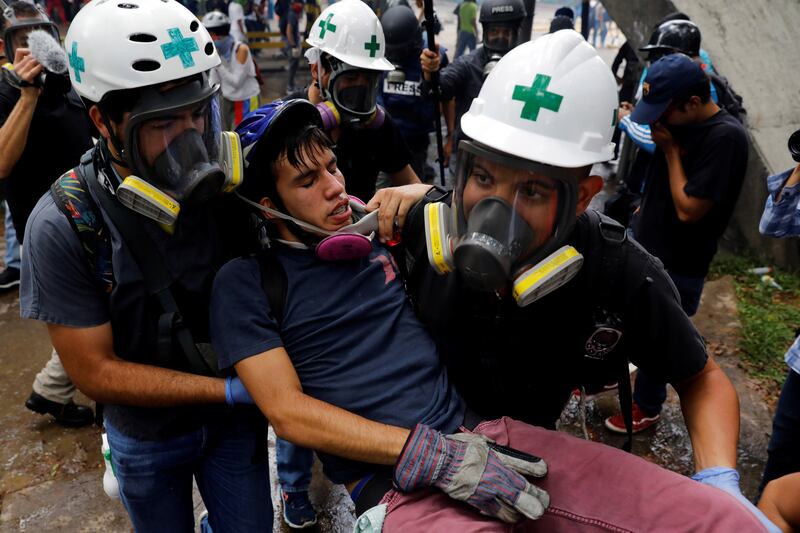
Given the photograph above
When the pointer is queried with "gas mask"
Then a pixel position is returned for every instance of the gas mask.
(353, 92)
(353, 241)
(17, 30)
(178, 153)
(500, 37)
(332, 118)
(487, 68)
(508, 225)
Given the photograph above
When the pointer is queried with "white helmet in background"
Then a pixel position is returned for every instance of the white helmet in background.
(214, 20)
(347, 40)
(349, 31)
(116, 45)
(544, 115)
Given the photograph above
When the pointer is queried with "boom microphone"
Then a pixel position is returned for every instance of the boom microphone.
(47, 51)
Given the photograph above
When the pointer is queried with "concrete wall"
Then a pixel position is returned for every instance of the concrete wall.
(755, 45)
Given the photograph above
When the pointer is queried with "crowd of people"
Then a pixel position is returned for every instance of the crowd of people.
(207, 266)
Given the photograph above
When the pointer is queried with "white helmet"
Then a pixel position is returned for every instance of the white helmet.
(216, 19)
(115, 45)
(553, 100)
(349, 31)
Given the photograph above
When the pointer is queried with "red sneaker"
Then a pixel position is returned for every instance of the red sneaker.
(640, 421)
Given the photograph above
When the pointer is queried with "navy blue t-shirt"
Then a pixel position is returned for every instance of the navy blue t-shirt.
(351, 335)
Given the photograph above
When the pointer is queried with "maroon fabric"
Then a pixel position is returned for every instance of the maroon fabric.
(593, 488)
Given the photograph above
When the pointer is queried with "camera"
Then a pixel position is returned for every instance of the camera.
(794, 146)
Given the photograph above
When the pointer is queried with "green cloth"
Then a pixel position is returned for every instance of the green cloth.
(467, 15)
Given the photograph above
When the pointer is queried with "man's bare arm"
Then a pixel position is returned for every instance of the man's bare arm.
(89, 359)
(711, 410)
(14, 133)
(272, 381)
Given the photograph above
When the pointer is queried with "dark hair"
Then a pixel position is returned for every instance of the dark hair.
(222, 31)
(24, 9)
(701, 89)
(300, 147)
(3, 22)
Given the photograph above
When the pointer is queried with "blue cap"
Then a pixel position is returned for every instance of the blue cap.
(669, 77)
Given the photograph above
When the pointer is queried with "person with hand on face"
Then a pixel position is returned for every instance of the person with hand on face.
(347, 59)
(236, 73)
(541, 295)
(119, 262)
(691, 187)
(462, 79)
(39, 113)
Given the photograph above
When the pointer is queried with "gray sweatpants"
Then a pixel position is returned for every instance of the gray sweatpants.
(53, 383)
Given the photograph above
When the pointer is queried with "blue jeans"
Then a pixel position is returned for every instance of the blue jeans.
(650, 394)
(784, 444)
(155, 478)
(294, 466)
(464, 41)
(11, 258)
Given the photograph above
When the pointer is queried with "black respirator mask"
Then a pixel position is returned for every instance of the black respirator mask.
(508, 224)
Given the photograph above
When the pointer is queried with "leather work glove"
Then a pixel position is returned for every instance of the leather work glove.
(727, 479)
(236, 393)
(473, 469)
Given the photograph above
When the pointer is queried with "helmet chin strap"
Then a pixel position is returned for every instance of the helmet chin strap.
(115, 142)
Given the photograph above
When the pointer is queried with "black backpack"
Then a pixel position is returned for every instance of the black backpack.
(728, 99)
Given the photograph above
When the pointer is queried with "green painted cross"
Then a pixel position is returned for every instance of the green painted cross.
(76, 62)
(325, 25)
(180, 46)
(537, 97)
(373, 46)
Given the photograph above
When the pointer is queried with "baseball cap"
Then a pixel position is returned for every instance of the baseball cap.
(669, 77)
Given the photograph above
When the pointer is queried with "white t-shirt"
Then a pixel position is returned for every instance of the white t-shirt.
(236, 14)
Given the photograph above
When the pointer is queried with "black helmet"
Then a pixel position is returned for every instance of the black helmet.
(402, 31)
(505, 13)
(675, 36)
(502, 11)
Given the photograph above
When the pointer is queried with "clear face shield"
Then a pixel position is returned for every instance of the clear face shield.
(16, 34)
(354, 91)
(180, 156)
(507, 224)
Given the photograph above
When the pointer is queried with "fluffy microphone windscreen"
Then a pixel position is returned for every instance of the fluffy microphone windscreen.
(47, 51)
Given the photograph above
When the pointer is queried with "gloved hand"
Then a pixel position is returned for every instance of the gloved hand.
(472, 468)
(727, 479)
(235, 393)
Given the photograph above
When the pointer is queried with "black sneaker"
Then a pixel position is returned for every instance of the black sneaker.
(69, 414)
(9, 278)
(298, 513)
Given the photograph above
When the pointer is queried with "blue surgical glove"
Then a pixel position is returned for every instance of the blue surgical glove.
(235, 393)
(727, 479)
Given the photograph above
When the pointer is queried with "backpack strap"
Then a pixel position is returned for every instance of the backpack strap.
(74, 201)
(609, 279)
(171, 324)
(274, 282)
